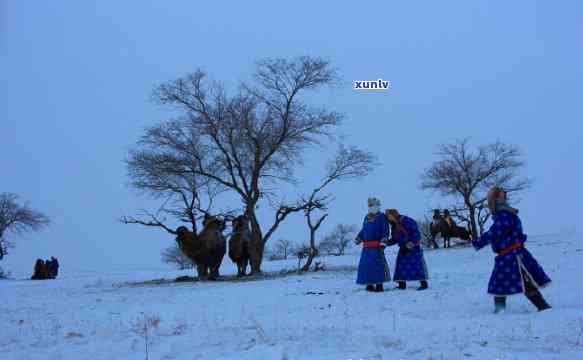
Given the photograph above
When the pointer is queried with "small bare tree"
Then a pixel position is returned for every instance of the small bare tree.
(466, 173)
(348, 163)
(339, 239)
(17, 218)
(251, 141)
(282, 248)
(301, 252)
(174, 256)
(425, 230)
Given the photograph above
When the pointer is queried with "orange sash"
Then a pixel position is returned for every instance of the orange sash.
(509, 249)
(371, 244)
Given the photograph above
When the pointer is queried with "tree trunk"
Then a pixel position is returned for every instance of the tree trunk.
(1, 245)
(473, 224)
(312, 253)
(257, 245)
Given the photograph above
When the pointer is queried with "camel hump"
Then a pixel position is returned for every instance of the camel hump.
(213, 223)
(211, 234)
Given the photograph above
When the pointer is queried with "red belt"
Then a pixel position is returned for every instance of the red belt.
(371, 244)
(509, 249)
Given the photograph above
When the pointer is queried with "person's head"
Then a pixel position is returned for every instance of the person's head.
(436, 212)
(496, 197)
(374, 205)
(446, 212)
(393, 215)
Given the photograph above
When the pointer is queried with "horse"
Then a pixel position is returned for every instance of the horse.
(239, 244)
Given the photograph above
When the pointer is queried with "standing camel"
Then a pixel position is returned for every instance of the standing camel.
(239, 244)
(206, 249)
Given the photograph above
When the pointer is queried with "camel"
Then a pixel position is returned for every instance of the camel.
(440, 225)
(206, 249)
(239, 244)
(40, 270)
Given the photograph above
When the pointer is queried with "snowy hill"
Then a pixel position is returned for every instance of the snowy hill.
(322, 315)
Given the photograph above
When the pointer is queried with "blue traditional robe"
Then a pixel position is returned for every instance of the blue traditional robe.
(505, 234)
(411, 264)
(372, 268)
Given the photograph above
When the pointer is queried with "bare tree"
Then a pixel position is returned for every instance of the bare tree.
(348, 163)
(17, 218)
(282, 248)
(339, 239)
(301, 252)
(425, 230)
(467, 173)
(251, 141)
(174, 256)
(163, 166)
(483, 217)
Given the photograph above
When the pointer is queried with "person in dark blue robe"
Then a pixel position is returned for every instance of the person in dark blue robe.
(373, 268)
(515, 269)
(411, 264)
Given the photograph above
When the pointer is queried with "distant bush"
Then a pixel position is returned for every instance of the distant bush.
(4, 275)
(174, 256)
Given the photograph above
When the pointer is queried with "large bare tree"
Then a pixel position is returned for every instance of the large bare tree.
(163, 165)
(348, 163)
(17, 218)
(252, 141)
(466, 173)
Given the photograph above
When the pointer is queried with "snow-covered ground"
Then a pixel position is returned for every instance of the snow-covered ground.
(322, 315)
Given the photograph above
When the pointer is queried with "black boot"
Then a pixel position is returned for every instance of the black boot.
(423, 285)
(537, 300)
(531, 292)
(370, 288)
(401, 285)
(379, 288)
(499, 304)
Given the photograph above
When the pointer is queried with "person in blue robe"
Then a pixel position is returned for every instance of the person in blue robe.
(515, 269)
(373, 268)
(411, 264)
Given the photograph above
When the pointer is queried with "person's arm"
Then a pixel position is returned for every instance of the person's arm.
(358, 238)
(501, 225)
(413, 230)
(385, 230)
(403, 235)
(414, 236)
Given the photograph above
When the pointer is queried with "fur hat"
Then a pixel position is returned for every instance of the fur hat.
(493, 194)
(392, 213)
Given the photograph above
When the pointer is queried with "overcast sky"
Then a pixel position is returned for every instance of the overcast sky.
(75, 80)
